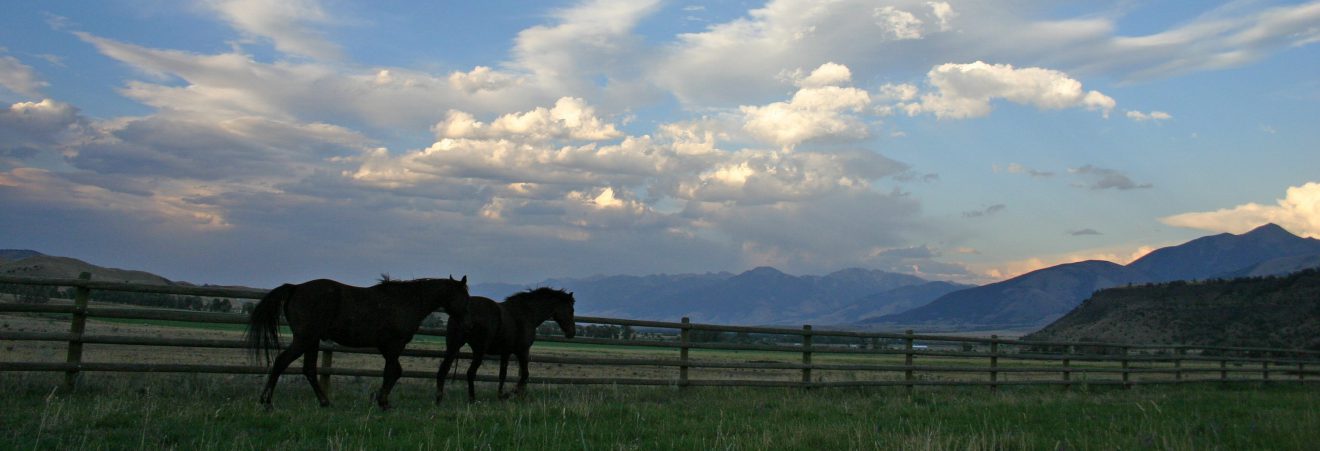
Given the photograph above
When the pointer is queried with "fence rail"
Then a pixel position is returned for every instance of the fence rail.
(868, 360)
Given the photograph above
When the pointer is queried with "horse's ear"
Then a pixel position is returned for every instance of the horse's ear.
(464, 279)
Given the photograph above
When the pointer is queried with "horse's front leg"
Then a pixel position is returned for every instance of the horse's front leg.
(478, 354)
(504, 371)
(393, 370)
(452, 346)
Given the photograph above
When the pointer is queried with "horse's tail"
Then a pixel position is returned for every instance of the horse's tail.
(263, 332)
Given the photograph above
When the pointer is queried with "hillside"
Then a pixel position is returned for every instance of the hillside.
(1034, 299)
(1281, 312)
(64, 267)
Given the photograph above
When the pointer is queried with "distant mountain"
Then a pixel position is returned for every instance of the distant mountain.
(898, 300)
(64, 267)
(1276, 267)
(1217, 255)
(762, 295)
(1037, 298)
(1021, 302)
(9, 255)
(1280, 312)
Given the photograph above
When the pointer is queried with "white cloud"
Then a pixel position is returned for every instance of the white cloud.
(20, 78)
(286, 23)
(966, 90)
(828, 74)
(1156, 116)
(1298, 211)
(32, 127)
(944, 14)
(570, 118)
(818, 110)
(482, 78)
(898, 24)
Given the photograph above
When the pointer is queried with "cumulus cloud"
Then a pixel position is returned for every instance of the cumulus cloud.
(966, 90)
(20, 78)
(482, 78)
(1155, 116)
(898, 24)
(1298, 211)
(570, 118)
(820, 109)
(31, 127)
(288, 24)
(1098, 178)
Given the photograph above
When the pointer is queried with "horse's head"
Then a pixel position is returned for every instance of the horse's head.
(563, 315)
(457, 298)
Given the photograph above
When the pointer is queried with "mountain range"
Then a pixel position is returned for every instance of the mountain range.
(762, 295)
(1035, 299)
(858, 298)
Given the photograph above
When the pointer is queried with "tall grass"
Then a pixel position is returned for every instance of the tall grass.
(220, 412)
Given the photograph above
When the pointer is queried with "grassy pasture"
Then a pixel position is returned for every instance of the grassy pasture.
(220, 412)
(160, 411)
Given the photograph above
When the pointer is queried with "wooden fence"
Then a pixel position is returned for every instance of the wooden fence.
(849, 359)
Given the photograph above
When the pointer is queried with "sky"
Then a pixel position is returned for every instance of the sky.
(256, 143)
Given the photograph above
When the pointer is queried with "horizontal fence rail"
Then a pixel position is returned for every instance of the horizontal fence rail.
(825, 358)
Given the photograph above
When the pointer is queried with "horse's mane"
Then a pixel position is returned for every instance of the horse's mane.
(386, 281)
(531, 295)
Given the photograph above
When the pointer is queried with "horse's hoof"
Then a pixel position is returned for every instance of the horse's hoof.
(504, 396)
(267, 407)
(325, 403)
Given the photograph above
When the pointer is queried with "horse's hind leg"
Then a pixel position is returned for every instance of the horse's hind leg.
(309, 370)
(281, 363)
(393, 370)
(504, 371)
(522, 373)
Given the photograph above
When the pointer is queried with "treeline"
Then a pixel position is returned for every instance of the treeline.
(32, 294)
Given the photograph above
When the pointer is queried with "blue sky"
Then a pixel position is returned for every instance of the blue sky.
(249, 142)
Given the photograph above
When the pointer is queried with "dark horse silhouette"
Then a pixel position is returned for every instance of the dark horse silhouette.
(504, 328)
(384, 316)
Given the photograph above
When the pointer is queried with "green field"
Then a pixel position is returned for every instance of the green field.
(220, 412)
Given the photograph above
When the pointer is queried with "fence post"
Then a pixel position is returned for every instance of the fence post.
(327, 362)
(806, 355)
(1126, 374)
(1067, 371)
(1265, 371)
(1177, 363)
(683, 354)
(1223, 370)
(77, 324)
(1301, 371)
(994, 362)
(907, 360)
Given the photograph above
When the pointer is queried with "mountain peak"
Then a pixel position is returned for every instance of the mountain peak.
(1270, 230)
(764, 271)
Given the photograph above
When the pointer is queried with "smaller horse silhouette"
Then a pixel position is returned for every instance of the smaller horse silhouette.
(384, 316)
(504, 328)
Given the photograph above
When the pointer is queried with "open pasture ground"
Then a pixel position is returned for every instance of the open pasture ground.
(162, 411)
(205, 411)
